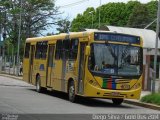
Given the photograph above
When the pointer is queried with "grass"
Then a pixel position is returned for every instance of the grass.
(152, 98)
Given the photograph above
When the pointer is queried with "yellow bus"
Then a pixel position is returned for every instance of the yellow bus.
(98, 64)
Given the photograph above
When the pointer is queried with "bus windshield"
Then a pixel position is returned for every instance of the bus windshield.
(115, 59)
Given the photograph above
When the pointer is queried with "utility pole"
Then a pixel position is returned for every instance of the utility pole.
(19, 37)
(92, 17)
(156, 47)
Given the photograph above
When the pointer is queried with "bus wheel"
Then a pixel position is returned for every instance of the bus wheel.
(38, 84)
(71, 92)
(117, 101)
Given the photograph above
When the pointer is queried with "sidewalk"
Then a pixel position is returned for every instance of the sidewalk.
(11, 76)
(128, 101)
(142, 104)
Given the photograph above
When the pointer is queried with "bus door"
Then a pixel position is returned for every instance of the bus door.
(65, 56)
(49, 71)
(81, 68)
(26, 62)
(57, 66)
(31, 63)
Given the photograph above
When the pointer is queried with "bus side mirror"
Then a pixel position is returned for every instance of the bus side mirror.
(87, 52)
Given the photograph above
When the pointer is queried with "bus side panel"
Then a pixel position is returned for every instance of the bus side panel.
(71, 74)
(43, 72)
(50, 66)
(57, 70)
(39, 68)
(34, 72)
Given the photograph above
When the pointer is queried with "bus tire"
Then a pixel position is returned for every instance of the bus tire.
(38, 84)
(117, 101)
(71, 92)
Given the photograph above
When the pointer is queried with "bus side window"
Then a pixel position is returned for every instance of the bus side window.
(58, 54)
(73, 49)
(27, 50)
(66, 47)
(44, 50)
(38, 52)
(41, 50)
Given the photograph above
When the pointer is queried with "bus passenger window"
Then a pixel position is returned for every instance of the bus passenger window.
(66, 45)
(74, 49)
(41, 50)
(27, 49)
(44, 50)
(58, 54)
(38, 52)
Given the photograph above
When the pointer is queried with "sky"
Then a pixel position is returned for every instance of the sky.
(71, 11)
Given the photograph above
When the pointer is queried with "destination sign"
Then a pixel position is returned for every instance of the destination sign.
(116, 38)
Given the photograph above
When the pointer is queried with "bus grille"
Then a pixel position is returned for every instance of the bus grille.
(115, 94)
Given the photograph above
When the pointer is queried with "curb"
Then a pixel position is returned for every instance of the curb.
(11, 76)
(132, 102)
(142, 104)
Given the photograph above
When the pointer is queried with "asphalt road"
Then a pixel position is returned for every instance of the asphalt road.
(18, 97)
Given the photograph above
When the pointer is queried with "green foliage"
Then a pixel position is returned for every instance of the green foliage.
(36, 16)
(152, 10)
(84, 20)
(131, 14)
(139, 17)
(152, 98)
(114, 14)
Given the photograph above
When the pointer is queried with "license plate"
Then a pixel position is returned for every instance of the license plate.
(115, 93)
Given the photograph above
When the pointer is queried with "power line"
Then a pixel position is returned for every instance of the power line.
(150, 23)
(73, 4)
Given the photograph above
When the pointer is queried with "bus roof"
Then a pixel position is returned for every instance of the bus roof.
(60, 36)
(68, 35)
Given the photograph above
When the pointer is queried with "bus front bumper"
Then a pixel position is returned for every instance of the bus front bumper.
(92, 91)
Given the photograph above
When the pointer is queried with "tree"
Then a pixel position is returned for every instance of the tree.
(63, 26)
(112, 14)
(152, 13)
(116, 14)
(139, 18)
(84, 20)
(131, 5)
(37, 15)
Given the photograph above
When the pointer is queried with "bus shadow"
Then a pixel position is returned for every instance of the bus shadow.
(90, 102)
(97, 102)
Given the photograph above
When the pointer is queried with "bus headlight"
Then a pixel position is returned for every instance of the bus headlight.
(125, 86)
(136, 86)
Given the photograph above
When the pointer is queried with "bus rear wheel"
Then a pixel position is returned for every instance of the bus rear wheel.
(117, 101)
(38, 84)
(71, 92)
